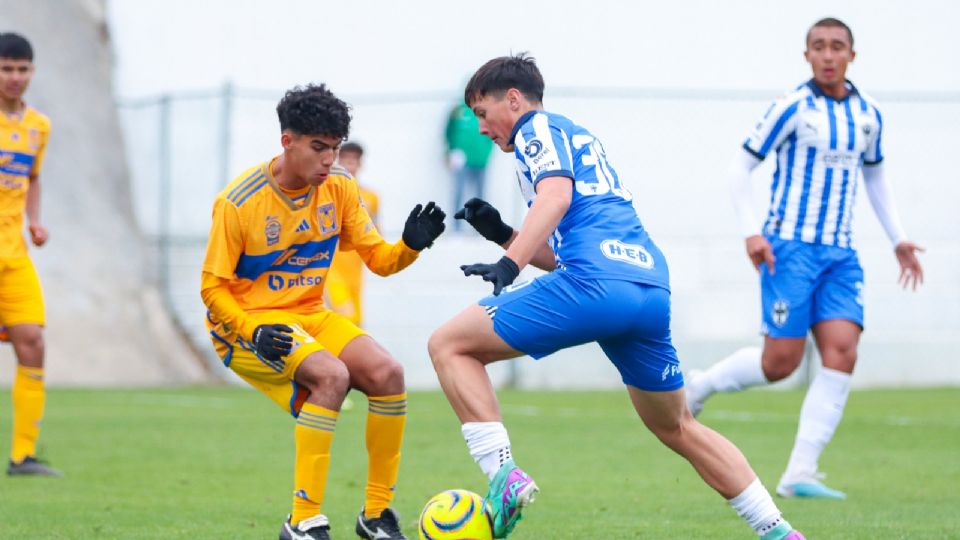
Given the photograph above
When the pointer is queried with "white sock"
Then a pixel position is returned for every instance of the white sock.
(757, 508)
(736, 372)
(819, 416)
(489, 445)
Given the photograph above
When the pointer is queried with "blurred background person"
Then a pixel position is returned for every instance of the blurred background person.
(468, 153)
(23, 143)
(345, 280)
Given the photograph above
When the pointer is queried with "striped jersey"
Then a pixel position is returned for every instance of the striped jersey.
(275, 246)
(821, 144)
(23, 143)
(600, 236)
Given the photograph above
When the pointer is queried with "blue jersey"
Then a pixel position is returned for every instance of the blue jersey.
(821, 144)
(600, 236)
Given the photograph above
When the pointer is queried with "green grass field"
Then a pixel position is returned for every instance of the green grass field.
(216, 463)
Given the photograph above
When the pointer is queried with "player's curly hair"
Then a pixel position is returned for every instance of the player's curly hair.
(314, 110)
(501, 74)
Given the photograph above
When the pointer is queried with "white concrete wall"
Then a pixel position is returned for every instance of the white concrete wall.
(722, 61)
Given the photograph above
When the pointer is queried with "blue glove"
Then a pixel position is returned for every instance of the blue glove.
(501, 273)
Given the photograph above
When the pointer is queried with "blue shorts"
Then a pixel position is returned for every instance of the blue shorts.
(630, 321)
(811, 283)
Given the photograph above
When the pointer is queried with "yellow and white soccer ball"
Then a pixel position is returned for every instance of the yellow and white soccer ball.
(455, 514)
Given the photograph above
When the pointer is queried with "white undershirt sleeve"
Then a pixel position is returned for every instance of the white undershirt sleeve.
(741, 190)
(881, 198)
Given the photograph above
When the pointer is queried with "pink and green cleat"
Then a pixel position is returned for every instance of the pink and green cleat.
(783, 531)
(510, 491)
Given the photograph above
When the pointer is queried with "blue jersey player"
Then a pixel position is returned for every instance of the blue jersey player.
(825, 135)
(608, 283)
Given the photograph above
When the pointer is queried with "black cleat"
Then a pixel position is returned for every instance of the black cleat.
(315, 528)
(31, 467)
(385, 527)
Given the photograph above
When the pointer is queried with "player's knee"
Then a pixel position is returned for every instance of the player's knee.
(385, 378)
(841, 357)
(320, 376)
(437, 346)
(779, 365)
(28, 340)
(672, 431)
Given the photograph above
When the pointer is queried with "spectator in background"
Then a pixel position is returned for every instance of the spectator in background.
(345, 280)
(468, 152)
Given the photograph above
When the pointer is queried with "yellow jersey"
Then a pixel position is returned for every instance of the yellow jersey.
(23, 143)
(272, 248)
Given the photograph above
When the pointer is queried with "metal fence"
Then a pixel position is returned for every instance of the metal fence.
(671, 145)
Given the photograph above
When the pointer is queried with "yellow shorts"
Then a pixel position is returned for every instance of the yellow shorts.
(311, 333)
(21, 299)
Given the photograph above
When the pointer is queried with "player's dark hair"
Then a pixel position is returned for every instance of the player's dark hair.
(834, 23)
(503, 73)
(15, 46)
(351, 148)
(314, 110)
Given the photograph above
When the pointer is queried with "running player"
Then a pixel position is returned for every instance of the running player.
(826, 134)
(23, 143)
(608, 283)
(275, 229)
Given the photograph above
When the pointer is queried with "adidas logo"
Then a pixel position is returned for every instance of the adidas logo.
(304, 226)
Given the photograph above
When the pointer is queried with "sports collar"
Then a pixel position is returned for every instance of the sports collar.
(851, 89)
(521, 121)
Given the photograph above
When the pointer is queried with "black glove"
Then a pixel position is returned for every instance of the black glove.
(272, 341)
(423, 227)
(483, 217)
(501, 273)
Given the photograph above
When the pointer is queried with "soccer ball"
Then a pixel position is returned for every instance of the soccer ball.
(455, 514)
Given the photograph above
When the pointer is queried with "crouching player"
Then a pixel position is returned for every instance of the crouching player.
(275, 229)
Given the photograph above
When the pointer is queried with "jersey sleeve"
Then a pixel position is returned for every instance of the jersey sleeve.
(359, 233)
(777, 124)
(41, 152)
(546, 151)
(216, 295)
(874, 152)
(225, 244)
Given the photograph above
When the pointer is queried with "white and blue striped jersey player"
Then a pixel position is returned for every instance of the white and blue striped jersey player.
(821, 146)
(611, 284)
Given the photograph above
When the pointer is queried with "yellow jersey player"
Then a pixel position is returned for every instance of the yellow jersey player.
(23, 142)
(345, 281)
(275, 229)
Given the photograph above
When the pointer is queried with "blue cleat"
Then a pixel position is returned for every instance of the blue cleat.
(510, 491)
(809, 489)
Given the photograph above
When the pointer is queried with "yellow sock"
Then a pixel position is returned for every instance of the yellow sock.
(313, 434)
(386, 419)
(28, 399)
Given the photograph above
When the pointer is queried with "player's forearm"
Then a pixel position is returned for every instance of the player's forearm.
(384, 258)
(32, 208)
(552, 202)
(881, 198)
(224, 307)
(741, 191)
